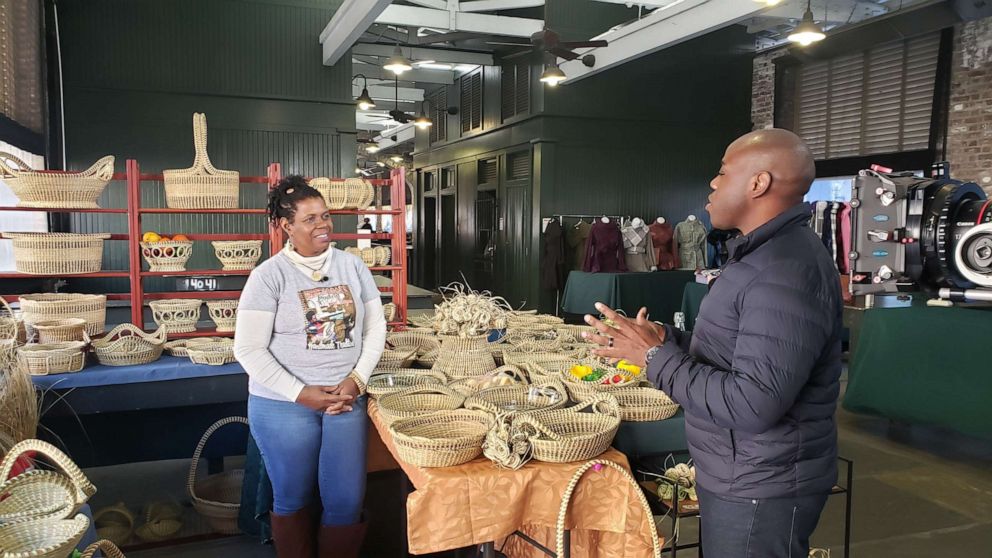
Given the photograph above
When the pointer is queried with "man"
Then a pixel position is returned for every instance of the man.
(367, 225)
(758, 377)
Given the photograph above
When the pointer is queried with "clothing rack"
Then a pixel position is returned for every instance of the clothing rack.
(615, 218)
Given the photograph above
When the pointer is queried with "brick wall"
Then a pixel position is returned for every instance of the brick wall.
(969, 135)
(763, 90)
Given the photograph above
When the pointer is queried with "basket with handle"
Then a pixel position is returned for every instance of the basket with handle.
(10, 325)
(57, 253)
(108, 548)
(397, 358)
(37, 494)
(55, 306)
(48, 487)
(419, 400)
(579, 389)
(62, 190)
(162, 521)
(238, 254)
(566, 435)
(566, 499)
(217, 497)
(506, 375)
(519, 398)
(224, 313)
(42, 538)
(386, 381)
(127, 345)
(201, 186)
(176, 315)
(644, 404)
(334, 193)
(42, 359)
(57, 331)
(214, 353)
(167, 255)
(442, 439)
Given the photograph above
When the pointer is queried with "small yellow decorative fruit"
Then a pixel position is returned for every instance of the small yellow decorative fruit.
(150, 237)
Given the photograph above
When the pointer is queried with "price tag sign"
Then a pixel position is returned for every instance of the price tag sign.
(197, 284)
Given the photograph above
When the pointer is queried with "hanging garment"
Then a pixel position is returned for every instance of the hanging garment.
(834, 230)
(662, 238)
(718, 240)
(604, 249)
(553, 258)
(638, 248)
(826, 235)
(690, 237)
(844, 219)
(577, 237)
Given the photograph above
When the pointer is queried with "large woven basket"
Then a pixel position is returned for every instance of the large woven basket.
(442, 439)
(57, 331)
(168, 255)
(224, 313)
(42, 538)
(127, 345)
(76, 190)
(367, 255)
(57, 253)
(454, 343)
(44, 490)
(384, 382)
(176, 315)
(214, 353)
(397, 358)
(519, 398)
(464, 364)
(42, 359)
(505, 375)
(217, 497)
(644, 404)
(417, 401)
(359, 193)
(566, 435)
(10, 325)
(52, 306)
(423, 341)
(201, 186)
(334, 193)
(238, 254)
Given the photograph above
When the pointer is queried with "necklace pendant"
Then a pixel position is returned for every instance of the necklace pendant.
(317, 276)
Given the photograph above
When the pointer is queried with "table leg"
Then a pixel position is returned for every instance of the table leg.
(489, 550)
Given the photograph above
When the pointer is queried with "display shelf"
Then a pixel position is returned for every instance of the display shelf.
(197, 272)
(66, 209)
(250, 211)
(386, 268)
(97, 275)
(111, 296)
(199, 333)
(228, 236)
(204, 295)
(365, 212)
(359, 236)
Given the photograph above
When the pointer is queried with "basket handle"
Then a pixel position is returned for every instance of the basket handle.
(84, 488)
(202, 160)
(567, 498)
(108, 548)
(102, 169)
(191, 480)
(5, 165)
(597, 402)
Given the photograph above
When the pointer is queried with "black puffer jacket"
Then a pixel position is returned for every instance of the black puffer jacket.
(758, 378)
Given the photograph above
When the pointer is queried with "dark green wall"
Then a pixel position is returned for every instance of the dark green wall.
(136, 70)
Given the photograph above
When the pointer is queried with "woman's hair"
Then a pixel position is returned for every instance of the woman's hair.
(290, 191)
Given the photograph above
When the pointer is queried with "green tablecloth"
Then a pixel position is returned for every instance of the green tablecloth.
(692, 297)
(660, 292)
(657, 438)
(924, 365)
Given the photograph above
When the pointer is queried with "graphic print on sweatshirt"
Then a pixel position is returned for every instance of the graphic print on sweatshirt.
(330, 317)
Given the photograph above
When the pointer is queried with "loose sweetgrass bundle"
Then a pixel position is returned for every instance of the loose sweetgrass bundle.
(467, 313)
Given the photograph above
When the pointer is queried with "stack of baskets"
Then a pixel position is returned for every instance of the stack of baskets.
(353, 193)
(57, 253)
(238, 254)
(127, 345)
(176, 315)
(201, 186)
(461, 357)
(214, 352)
(71, 190)
(167, 255)
(372, 257)
(224, 314)
(56, 306)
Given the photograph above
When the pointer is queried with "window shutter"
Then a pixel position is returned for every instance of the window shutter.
(813, 88)
(507, 91)
(518, 165)
(439, 115)
(477, 100)
(522, 91)
(883, 99)
(471, 97)
(465, 86)
(921, 69)
(487, 172)
(844, 119)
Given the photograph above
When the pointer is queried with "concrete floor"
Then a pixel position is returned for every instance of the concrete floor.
(918, 492)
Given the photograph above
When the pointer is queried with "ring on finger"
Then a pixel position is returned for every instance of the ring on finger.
(609, 342)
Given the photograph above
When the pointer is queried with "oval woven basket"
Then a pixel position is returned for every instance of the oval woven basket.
(578, 389)
(417, 401)
(385, 382)
(644, 404)
(238, 254)
(57, 331)
(333, 192)
(464, 364)
(42, 538)
(42, 359)
(46, 253)
(397, 358)
(51, 306)
(359, 193)
(505, 375)
(519, 398)
(168, 255)
(75, 190)
(82, 488)
(367, 255)
(178, 347)
(382, 255)
(442, 439)
(214, 353)
(224, 313)
(566, 435)
(114, 523)
(127, 345)
(176, 315)
(423, 341)
(201, 186)
(37, 494)
(217, 497)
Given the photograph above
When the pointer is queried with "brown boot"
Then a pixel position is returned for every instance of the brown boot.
(341, 541)
(295, 534)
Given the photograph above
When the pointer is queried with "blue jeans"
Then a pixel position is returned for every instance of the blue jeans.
(745, 528)
(304, 450)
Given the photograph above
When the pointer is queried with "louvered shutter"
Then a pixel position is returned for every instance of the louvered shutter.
(477, 100)
(487, 172)
(813, 87)
(522, 90)
(884, 99)
(921, 69)
(844, 118)
(518, 165)
(507, 91)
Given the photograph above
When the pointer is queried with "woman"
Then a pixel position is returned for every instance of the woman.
(310, 330)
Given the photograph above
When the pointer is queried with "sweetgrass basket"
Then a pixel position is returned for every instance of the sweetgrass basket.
(54, 306)
(386, 381)
(397, 358)
(44, 489)
(503, 376)
(178, 347)
(217, 497)
(127, 345)
(419, 400)
(214, 353)
(162, 522)
(10, 325)
(176, 315)
(442, 439)
(359, 193)
(201, 186)
(76, 190)
(519, 398)
(57, 253)
(224, 313)
(42, 538)
(168, 255)
(115, 523)
(381, 255)
(42, 359)
(644, 404)
(238, 254)
(389, 311)
(108, 548)
(57, 331)
(333, 192)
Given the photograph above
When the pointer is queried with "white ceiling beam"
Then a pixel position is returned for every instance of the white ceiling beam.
(436, 4)
(435, 54)
(442, 77)
(386, 92)
(403, 133)
(645, 3)
(494, 5)
(454, 20)
(662, 28)
(348, 24)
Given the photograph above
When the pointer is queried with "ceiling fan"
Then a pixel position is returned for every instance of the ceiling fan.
(549, 42)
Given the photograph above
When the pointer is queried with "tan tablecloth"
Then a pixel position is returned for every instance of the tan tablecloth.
(478, 502)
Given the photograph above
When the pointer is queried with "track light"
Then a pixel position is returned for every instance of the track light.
(397, 63)
(807, 32)
(552, 75)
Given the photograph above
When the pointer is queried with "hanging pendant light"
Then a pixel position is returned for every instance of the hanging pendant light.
(422, 121)
(807, 32)
(397, 63)
(364, 101)
(769, 2)
(553, 75)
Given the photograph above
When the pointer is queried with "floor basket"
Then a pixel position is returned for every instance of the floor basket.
(56, 306)
(238, 254)
(176, 315)
(57, 253)
(217, 497)
(127, 345)
(75, 190)
(201, 186)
